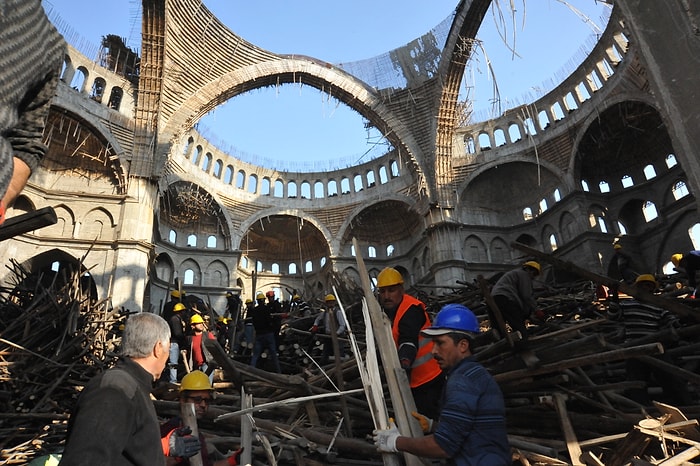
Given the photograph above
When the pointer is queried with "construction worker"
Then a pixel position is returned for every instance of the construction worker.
(265, 326)
(330, 318)
(299, 307)
(199, 357)
(514, 296)
(178, 341)
(690, 263)
(408, 317)
(195, 388)
(248, 329)
(169, 305)
(620, 266)
(471, 428)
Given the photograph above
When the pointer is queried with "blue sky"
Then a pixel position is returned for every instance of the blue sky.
(299, 128)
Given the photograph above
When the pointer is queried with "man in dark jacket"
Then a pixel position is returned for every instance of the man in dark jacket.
(265, 326)
(114, 421)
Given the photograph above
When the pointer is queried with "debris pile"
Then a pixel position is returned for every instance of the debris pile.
(567, 391)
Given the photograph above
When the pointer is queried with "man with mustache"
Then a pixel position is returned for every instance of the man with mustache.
(471, 429)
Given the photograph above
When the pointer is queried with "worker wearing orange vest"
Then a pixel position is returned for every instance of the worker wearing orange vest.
(408, 317)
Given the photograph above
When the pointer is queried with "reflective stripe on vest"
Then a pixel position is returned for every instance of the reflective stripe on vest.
(424, 368)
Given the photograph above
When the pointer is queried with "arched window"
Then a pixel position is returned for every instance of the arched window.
(484, 141)
(514, 133)
(345, 186)
(240, 179)
(309, 266)
(318, 190)
(394, 168)
(332, 188)
(604, 187)
(469, 145)
(172, 236)
(275, 268)
(98, 89)
(258, 266)
(357, 183)
(228, 174)
(211, 241)
(187, 151)
(553, 242)
(188, 279)
(197, 155)
(370, 178)
(323, 261)
(383, 178)
(627, 181)
(207, 162)
(694, 233)
(352, 250)
(649, 211)
(292, 189)
(543, 206)
(649, 172)
(253, 184)
(557, 195)
(499, 137)
(527, 213)
(192, 240)
(680, 190)
(265, 187)
(390, 250)
(292, 268)
(279, 189)
(115, 98)
(671, 161)
(305, 190)
(371, 251)
(543, 119)
(584, 185)
(218, 166)
(244, 262)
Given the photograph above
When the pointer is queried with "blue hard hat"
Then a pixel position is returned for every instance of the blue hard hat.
(453, 318)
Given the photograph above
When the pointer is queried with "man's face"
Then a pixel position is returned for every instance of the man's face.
(390, 297)
(201, 400)
(447, 353)
(198, 328)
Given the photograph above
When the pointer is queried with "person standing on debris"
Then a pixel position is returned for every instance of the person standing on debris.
(690, 263)
(114, 420)
(471, 428)
(195, 388)
(199, 356)
(233, 325)
(30, 65)
(325, 322)
(177, 340)
(620, 266)
(265, 326)
(248, 329)
(514, 296)
(408, 317)
(170, 304)
(299, 307)
(642, 320)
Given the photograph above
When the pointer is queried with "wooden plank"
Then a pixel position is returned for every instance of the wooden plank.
(568, 430)
(189, 419)
(402, 405)
(24, 223)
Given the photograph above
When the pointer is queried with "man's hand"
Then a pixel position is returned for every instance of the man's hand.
(314, 329)
(183, 444)
(385, 439)
(425, 422)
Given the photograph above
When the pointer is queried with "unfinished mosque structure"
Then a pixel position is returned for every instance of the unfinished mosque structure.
(144, 201)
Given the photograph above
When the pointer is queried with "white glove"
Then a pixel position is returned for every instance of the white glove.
(385, 439)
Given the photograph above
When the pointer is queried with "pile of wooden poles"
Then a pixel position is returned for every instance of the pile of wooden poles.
(565, 392)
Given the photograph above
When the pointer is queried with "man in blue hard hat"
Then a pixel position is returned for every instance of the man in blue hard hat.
(471, 428)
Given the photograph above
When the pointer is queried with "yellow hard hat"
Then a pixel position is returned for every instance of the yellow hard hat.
(260, 296)
(534, 265)
(178, 307)
(175, 294)
(248, 301)
(296, 296)
(676, 259)
(196, 319)
(329, 297)
(195, 380)
(647, 277)
(617, 246)
(388, 277)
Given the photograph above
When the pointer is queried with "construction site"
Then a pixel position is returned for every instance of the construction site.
(132, 202)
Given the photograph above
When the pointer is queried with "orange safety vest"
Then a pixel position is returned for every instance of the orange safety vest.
(424, 368)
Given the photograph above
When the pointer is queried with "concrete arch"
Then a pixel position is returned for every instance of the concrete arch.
(292, 70)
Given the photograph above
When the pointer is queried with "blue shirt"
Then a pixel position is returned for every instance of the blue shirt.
(472, 428)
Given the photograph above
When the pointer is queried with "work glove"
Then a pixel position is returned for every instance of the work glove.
(425, 422)
(385, 439)
(183, 444)
(314, 329)
(234, 459)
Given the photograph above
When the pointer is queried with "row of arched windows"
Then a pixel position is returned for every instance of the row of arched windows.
(527, 123)
(291, 189)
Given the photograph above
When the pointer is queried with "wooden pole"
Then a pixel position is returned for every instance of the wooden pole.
(397, 380)
(189, 419)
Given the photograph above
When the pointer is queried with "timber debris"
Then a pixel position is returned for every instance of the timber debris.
(566, 398)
